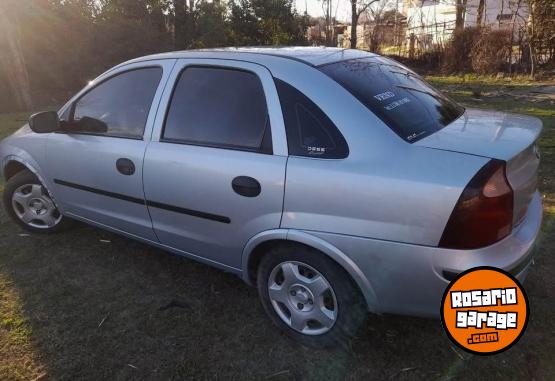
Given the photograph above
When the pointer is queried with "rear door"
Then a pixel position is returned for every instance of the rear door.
(214, 172)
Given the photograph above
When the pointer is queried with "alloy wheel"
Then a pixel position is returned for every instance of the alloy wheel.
(34, 207)
(303, 298)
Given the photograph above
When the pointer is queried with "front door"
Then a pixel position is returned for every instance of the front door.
(214, 174)
(96, 168)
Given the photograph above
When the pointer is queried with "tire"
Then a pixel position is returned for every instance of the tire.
(28, 203)
(342, 302)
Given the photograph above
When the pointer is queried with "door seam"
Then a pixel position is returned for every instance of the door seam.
(148, 142)
(284, 190)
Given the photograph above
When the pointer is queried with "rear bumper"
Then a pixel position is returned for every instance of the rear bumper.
(410, 279)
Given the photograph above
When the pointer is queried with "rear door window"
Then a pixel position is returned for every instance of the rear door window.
(219, 107)
(410, 106)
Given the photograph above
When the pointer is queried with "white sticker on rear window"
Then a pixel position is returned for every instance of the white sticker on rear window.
(395, 104)
(415, 135)
(384, 96)
(316, 150)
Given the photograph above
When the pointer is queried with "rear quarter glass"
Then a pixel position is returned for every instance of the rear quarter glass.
(406, 103)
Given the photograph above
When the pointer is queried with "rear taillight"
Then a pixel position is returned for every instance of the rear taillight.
(484, 213)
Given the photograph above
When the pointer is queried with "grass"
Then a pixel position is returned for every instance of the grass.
(488, 80)
(11, 122)
(73, 306)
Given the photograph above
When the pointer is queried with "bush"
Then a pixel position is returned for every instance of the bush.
(492, 52)
(480, 50)
(457, 57)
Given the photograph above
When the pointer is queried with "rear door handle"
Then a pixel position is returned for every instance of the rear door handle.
(246, 186)
(125, 166)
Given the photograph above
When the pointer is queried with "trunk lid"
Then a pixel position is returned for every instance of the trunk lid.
(497, 135)
(494, 134)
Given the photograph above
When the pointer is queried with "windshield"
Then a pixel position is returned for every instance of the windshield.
(400, 98)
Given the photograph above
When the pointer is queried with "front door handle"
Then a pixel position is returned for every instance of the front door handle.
(125, 166)
(246, 186)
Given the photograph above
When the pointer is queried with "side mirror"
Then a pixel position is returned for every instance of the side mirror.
(45, 122)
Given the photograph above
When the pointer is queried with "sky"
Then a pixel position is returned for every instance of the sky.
(314, 8)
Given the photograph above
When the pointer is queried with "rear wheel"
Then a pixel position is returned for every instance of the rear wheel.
(29, 204)
(309, 296)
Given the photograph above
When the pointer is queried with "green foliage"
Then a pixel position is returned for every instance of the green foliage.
(51, 48)
(9, 123)
(265, 22)
(243, 24)
(210, 25)
(542, 25)
(277, 21)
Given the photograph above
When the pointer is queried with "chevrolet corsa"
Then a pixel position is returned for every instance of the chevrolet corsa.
(337, 181)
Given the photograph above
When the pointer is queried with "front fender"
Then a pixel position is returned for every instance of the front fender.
(10, 152)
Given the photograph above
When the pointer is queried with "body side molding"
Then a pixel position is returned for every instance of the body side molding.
(154, 204)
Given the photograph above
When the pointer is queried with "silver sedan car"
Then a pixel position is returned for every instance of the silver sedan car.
(337, 181)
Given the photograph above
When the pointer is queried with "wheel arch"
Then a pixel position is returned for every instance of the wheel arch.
(13, 164)
(16, 164)
(260, 243)
(13, 167)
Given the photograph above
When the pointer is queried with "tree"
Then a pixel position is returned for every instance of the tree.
(15, 72)
(328, 21)
(53, 34)
(75, 40)
(124, 29)
(210, 29)
(277, 22)
(481, 9)
(541, 32)
(358, 7)
(243, 24)
(381, 18)
(265, 22)
(460, 14)
(183, 23)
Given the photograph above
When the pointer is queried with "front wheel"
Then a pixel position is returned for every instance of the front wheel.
(29, 204)
(310, 297)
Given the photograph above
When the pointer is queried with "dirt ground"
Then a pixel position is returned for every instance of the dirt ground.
(88, 304)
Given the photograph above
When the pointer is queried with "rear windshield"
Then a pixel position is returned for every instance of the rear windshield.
(400, 98)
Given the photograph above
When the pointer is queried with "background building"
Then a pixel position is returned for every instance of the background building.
(433, 21)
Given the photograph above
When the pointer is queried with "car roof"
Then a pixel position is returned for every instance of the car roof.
(313, 55)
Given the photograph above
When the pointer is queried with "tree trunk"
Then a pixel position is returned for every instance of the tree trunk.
(411, 46)
(460, 15)
(354, 22)
(532, 62)
(531, 40)
(480, 17)
(513, 36)
(183, 24)
(179, 22)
